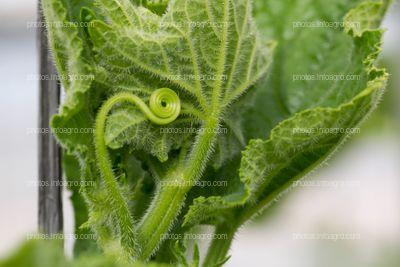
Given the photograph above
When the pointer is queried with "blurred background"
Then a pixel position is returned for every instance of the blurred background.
(345, 214)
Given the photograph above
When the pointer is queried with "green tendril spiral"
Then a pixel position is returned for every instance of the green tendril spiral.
(165, 104)
(164, 108)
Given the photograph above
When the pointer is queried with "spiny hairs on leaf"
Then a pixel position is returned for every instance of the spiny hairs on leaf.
(210, 52)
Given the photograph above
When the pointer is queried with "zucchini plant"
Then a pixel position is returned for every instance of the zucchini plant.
(183, 93)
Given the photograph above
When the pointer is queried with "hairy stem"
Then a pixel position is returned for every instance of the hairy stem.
(164, 108)
(123, 216)
(169, 199)
(218, 250)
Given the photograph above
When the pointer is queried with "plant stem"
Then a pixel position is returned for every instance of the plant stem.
(216, 253)
(157, 114)
(169, 199)
(123, 216)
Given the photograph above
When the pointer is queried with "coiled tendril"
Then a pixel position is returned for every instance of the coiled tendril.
(166, 104)
(164, 108)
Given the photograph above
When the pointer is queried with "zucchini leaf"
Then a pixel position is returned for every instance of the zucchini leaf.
(211, 57)
(72, 58)
(308, 120)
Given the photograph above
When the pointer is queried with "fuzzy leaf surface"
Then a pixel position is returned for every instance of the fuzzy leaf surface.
(210, 52)
(306, 121)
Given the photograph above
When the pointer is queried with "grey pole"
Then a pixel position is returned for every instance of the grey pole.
(50, 190)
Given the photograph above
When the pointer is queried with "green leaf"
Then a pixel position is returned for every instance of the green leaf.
(366, 16)
(128, 126)
(292, 110)
(287, 155)
(301, 50)
(291, 150)
(300, 143)
(187, 50)
(72, 59)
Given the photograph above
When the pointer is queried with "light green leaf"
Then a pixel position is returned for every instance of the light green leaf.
(128, 126)
(366, 16)
(296, 145)
(67, 41)
(186, 49)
